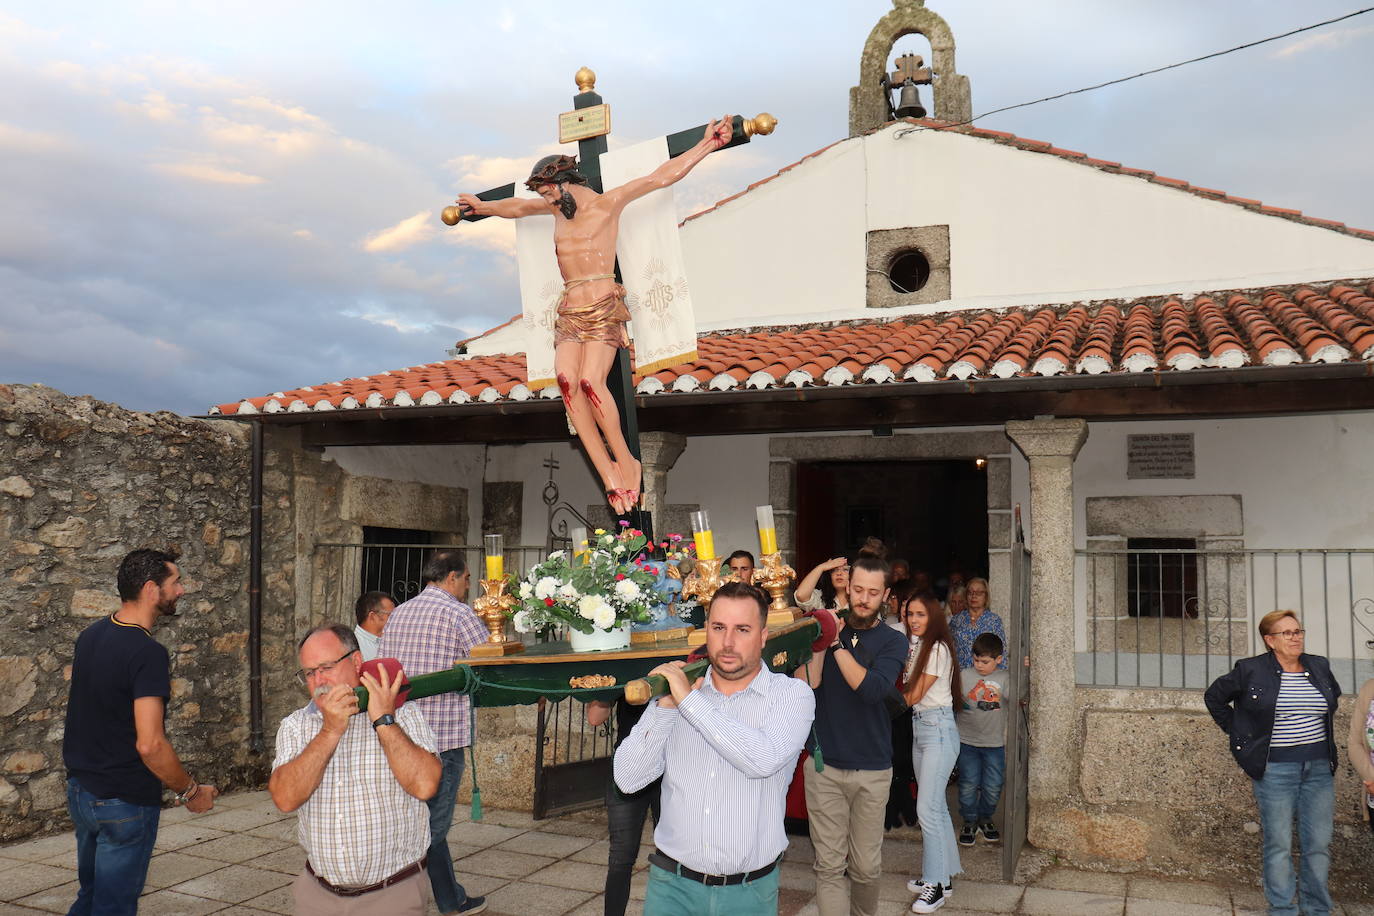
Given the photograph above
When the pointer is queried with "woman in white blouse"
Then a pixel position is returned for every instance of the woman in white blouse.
(931, 683)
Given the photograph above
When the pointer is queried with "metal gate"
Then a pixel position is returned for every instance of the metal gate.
(1016, 797)
(572, 763)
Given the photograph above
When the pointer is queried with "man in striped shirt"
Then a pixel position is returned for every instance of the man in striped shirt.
(725, 747)
(432, 632)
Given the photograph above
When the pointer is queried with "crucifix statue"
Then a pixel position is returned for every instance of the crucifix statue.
(589, 324)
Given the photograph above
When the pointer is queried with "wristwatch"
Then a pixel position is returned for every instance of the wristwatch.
(387, 719)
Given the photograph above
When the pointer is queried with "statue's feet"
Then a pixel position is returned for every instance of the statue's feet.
(615, 498)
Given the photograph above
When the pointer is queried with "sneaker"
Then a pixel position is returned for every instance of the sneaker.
(968, 834)
(989, 831)
(916, 885)
(473, 906)
(932, 897)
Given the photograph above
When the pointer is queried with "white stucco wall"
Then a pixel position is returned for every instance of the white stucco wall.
(1025, 228)
(1304, 486)
(442, 465)
(1304, 481)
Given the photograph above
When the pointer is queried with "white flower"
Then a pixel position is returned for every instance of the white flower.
(556, 555)
(590, 605)
(604, 617)
(627, 590)
(618, 549)
(545, 587)
(569, 591)
(522, 622)
(526, 590)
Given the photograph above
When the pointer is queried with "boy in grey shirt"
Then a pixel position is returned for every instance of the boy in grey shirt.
(982, 721)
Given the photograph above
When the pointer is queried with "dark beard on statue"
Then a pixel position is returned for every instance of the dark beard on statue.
(568, 205)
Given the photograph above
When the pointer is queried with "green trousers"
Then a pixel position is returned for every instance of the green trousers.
(674, 895)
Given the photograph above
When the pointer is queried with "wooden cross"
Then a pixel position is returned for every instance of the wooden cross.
(593, 126)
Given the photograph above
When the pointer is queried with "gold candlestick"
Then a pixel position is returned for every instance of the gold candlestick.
(701, 583)
(775, 576)
(492, 607)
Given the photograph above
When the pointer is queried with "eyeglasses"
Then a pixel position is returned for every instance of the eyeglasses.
(305, 674)
(1288, 634)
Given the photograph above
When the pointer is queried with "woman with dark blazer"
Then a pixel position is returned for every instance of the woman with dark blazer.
(1278, 709)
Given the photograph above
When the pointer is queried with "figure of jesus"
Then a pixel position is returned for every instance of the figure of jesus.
(590, 326)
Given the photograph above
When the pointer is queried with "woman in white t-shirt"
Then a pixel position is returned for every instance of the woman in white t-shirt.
(931, 682)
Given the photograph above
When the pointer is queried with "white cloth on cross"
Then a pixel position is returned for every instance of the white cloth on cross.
(663, 323)
(662, 320)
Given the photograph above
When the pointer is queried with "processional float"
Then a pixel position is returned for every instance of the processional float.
(503, 671)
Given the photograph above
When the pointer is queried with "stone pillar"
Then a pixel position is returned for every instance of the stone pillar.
(1050, 445)
(658, 452)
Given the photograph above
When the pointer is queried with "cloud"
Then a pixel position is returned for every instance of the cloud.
(155, 106)
(303, 234)
(1329, 41)
(289, 112)
(494, 234)
(199, 171)
(23, 140)
(413, 230)
(481, 172)
(227, 132)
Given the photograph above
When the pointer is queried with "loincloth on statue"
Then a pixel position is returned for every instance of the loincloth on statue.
(602, 321)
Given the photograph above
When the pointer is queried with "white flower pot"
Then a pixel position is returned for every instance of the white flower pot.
(599, 640)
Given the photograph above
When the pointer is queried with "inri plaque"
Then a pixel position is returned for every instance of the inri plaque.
(1160, 455)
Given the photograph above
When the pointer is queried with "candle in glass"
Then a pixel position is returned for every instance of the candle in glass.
(768, 532)
(494, 545)
(702, 537)
(579, 544)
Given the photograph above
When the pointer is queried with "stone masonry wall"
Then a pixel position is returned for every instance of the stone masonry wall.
(82, 483)
(1157, 790)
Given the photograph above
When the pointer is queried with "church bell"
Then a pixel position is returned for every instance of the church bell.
(909, 102)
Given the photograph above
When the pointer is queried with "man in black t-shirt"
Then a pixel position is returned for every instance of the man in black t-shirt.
(846, 801)
(114, 747)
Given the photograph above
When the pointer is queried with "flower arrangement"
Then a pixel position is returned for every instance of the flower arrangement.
(603, 588)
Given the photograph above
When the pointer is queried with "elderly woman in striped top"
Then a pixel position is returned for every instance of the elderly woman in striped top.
(1278, 709)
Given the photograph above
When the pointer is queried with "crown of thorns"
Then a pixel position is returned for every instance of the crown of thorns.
(555, 170)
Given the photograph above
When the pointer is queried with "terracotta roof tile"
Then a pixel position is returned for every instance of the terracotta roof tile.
(1276, 326)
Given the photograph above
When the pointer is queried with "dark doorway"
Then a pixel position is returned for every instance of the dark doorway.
(933, 514)
(392, 561)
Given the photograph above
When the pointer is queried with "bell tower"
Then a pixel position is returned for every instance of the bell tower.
(868, 102)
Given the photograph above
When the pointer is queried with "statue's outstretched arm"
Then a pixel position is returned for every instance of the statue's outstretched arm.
(718, 134)
(507, 208)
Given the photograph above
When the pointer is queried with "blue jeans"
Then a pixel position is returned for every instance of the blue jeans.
(934, 749)
(981, 772)
(448, 893)
(1305, 789)
(673, 895)
(114, 842)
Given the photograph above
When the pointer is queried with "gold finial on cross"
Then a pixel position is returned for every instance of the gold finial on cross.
(586, 79)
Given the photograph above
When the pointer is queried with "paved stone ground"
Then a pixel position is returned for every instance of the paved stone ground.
(242, 857)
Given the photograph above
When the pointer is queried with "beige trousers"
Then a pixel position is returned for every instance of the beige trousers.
(845, 809)
(408, 898)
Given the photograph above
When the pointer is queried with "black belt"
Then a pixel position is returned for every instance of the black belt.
(668, 863)
(397, 878)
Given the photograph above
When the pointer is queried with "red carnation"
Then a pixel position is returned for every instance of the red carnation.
(548, 602)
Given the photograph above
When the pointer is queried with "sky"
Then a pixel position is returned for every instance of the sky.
(201, 202)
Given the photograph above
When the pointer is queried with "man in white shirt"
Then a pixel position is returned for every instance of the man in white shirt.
(371, 610)
(725, 747)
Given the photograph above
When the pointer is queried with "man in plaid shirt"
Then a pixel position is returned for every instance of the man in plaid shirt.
(431, 632)
(359, 784)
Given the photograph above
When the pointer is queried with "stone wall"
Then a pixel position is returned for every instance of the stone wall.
(82, 483)
(1155, 788)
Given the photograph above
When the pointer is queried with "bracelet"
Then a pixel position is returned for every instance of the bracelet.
(188, 793)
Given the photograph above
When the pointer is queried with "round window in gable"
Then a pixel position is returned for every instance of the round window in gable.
(908, 271)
